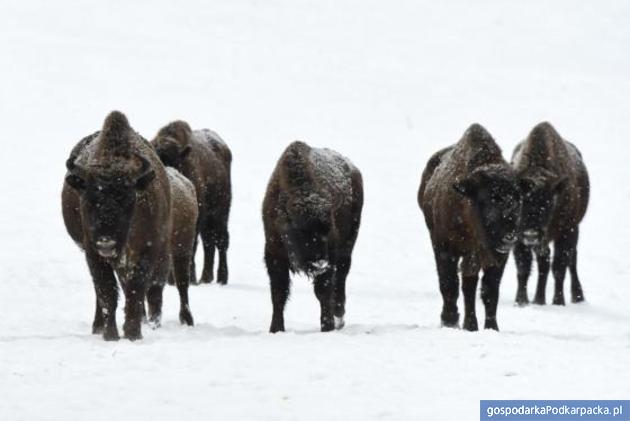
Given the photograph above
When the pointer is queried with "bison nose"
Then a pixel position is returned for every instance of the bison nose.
(530, 233)
(106, 246)
(530, 237)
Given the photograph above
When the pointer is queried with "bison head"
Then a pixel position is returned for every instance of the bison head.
(496, 199)
(309, 231)
(540, 191)
(171, 153)
(108, 198)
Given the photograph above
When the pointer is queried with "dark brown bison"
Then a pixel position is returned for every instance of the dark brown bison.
(206, 160)
(471, 203)
(133, 218)
(555, 189)
(311, 215)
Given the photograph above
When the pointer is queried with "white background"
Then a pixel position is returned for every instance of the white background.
(384, 83)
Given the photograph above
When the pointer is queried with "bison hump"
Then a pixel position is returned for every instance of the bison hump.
(334, 171)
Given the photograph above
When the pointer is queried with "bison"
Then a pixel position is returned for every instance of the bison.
(471, 203)
(555, 189)
(134, 219)
(205, 160)
(311, 215)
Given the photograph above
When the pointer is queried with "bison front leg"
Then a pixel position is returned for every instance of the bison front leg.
(223, 242)
(469, 289)
(99, 319)
(523, 258)
(134, 296)
(542, 260)
(106, 298)
(564, 247)
(324, 286)
(278, 270)
(340, 290)
(490, 294)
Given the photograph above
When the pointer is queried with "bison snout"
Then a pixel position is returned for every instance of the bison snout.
(106, 246)
(531, 237)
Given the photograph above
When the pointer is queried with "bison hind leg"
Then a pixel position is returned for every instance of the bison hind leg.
(577, 295)
(183, 277)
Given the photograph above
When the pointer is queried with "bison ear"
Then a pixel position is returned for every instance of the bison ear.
(145, 179)
(75, 182)
(560, 185)
(467, 187)
(184, 153)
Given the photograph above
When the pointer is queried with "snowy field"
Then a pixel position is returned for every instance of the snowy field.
(385, 83)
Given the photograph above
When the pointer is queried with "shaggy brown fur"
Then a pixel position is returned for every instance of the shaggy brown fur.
(206, 160)
(470, 201)
(311, 214)
(556, 192)
(133, 220)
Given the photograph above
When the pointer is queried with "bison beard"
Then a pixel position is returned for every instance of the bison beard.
(117, 206)
(311, 214)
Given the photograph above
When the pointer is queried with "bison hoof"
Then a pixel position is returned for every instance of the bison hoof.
(470, 324)
(111, 334)
(558, 300)
(222, 281)
(155, 322)
(329, 327)
(491, 324)
(206, 276)
(133, 336)
(339, 322)
(521, 300)
(132, 332)
(276, 329)
(450, 319)
(185, 317)
(97, 329)
(539, 301)
(577, 298)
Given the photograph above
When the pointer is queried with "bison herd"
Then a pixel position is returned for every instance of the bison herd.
(137, 209)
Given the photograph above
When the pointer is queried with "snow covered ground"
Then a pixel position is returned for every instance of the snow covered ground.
(384, 83)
